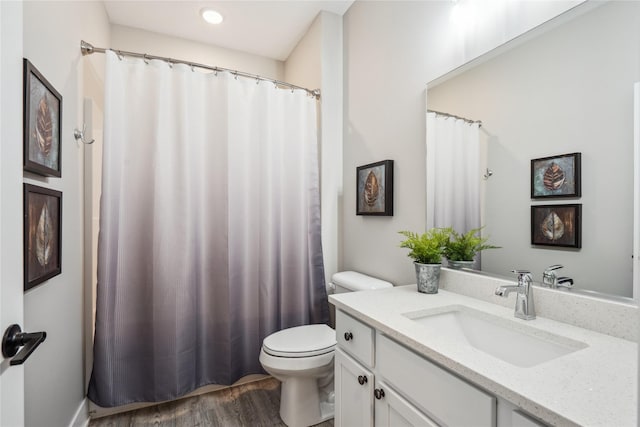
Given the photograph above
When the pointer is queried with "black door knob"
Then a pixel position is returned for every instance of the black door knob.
(14, 338)
(378, 393)
(362, 379)
(348, 336)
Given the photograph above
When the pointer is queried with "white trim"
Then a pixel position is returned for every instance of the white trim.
(81, 417)
(636, 191)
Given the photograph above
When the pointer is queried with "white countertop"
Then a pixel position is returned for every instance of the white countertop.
(594, 386)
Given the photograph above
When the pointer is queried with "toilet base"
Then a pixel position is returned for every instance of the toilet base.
(299, 402)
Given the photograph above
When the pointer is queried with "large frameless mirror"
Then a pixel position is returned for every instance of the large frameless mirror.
(567, 87)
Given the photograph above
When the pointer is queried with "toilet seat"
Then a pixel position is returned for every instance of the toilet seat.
(301, 341)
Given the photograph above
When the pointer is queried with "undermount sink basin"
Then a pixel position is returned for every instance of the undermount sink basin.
(508, 340)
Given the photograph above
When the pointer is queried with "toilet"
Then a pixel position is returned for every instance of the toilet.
(301, 358)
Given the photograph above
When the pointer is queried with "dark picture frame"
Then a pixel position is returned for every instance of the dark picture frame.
(42, 121)
(374, 189)
(556, 176)
(557, 225)
(42, 234)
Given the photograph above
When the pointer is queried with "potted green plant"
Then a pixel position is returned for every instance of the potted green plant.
(461, 249)
(427, 251)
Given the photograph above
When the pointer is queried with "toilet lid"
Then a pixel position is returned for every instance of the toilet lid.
(301, 341)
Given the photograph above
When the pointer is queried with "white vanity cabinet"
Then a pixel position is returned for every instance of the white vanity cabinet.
(353, 377)
(379, 382)
(361, 400)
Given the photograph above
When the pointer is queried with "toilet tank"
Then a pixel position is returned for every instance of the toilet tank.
(352, 281)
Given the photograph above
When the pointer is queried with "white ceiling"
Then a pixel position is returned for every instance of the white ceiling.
(264, 27)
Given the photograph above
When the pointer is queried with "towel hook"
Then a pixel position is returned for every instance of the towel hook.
(79, 135)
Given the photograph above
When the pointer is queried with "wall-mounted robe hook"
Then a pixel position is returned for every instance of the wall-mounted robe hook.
(488, 173)
(79, 135)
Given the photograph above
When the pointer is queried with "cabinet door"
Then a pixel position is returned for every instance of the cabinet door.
(354, 392)
(391, 410)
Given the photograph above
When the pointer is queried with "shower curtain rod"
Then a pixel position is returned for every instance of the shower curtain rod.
(440, 113)
(88, 49)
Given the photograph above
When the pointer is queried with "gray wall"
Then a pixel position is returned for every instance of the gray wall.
(569, 90)
(392, 49)
(54, 387)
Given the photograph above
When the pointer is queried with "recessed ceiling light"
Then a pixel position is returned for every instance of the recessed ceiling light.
(211, 16)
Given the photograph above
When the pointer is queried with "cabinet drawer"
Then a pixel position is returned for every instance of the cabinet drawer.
(355, 338)
(445, 397)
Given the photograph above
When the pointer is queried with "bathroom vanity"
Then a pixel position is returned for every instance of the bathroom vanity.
(406, 358)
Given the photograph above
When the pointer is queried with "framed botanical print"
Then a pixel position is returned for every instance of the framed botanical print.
(42, 234)
(556, 176)
(557, 225)
(42, 124)
(374, 189)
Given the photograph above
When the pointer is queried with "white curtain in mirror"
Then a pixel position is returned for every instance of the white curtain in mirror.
(453, 173)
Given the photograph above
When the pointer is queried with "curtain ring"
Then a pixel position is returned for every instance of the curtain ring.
(145, 59)
(170, 63)
(235, 75)
(257, 79)
(193, 69)
(119, 55)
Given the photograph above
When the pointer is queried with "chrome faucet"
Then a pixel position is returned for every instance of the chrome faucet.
(551, 279)
(525, 308)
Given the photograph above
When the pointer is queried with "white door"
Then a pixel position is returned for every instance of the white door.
(353, 392)
(11, 304)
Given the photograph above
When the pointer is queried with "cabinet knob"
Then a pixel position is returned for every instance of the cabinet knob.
(378, 393)
(348, 336)
(362, 379)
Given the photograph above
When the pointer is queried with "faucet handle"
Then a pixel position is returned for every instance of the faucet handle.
(521, 272)
(549, 277)
(524, 276)
(564, 282)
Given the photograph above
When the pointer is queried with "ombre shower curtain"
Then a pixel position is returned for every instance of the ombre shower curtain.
(453, 173)
(209, 228)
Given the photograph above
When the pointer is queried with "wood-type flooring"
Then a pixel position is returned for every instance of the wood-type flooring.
(252, 404)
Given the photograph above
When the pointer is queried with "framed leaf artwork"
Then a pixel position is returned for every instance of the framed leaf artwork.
(374, 184)
(556, 176)
(42, 234)
(42, 124)
(557, 225)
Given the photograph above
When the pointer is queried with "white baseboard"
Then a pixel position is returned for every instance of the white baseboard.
(81, 417)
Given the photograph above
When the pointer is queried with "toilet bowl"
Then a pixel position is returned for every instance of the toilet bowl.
(302, 359)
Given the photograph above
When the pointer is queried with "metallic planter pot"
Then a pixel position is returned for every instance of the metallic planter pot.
(460, 264)
(428, 277)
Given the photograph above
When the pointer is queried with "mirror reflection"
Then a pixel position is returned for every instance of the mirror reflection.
(569, 89)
